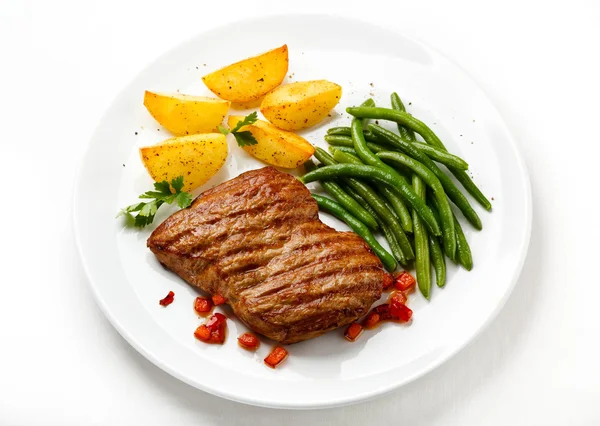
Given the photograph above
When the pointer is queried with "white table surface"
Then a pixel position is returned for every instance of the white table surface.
(61, 362)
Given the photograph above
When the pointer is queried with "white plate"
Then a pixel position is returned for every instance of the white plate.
(367, 61)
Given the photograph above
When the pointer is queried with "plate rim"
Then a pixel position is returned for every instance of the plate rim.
(358, 397)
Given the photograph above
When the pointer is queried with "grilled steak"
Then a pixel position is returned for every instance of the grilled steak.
(257, 240)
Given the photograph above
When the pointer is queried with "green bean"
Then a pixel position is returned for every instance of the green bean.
(393, 243)
(471, 188)
(338, 140)
(368, 103)
(357, 226)
(430, 179)
(463, 251)
(346, 141)
(422, 261)
(405, 132)
(360, 145)
(334, 189)
(372, 198)
(451, 190)
(438, 261)
(322, 155)
(387, 232)
(396, 204)
(394, 181)
(432, 203)
(398, 207)
(442, 157)
(345, 150)
(344, 157)
(431, 138)
(345, 131)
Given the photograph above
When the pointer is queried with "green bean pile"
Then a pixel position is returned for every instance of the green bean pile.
(391, 182)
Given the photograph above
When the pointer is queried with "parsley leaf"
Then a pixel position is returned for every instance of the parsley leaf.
(162, 194)
(177, 184)
(244, 138)
(249, 119)
(183, 199)
(163, 187)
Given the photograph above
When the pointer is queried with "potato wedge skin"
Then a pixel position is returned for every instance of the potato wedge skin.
(185, 114)
(251, 78)
(300, 105)
(275, 146)
(195, 157)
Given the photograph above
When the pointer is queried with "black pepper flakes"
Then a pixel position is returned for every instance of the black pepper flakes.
(136, 133)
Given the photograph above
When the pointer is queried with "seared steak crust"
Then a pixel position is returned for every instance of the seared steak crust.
(257, 240)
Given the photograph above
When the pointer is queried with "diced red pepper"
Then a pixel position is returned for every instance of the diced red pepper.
(276, 357)
(218, 336)
(218, 299)
(401, 312)
(371, 320)
(395, 310)
(398, 309)
(214, 330)
(388, 281)
(405, 282)
(168, 299)
(202, 305)
(215, 321)
(397, 297)
(249, 341)
(383, 311)
(353, 331)
(202, 333)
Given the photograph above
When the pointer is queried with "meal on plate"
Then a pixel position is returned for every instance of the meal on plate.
(256, 243)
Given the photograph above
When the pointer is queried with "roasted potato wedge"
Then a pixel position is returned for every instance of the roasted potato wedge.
(195, 157)
(186, 114)
(300, 105)
(275, 146)
(251, 78)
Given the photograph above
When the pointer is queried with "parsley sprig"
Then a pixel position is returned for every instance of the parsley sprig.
(244, 138)
(145, 211)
